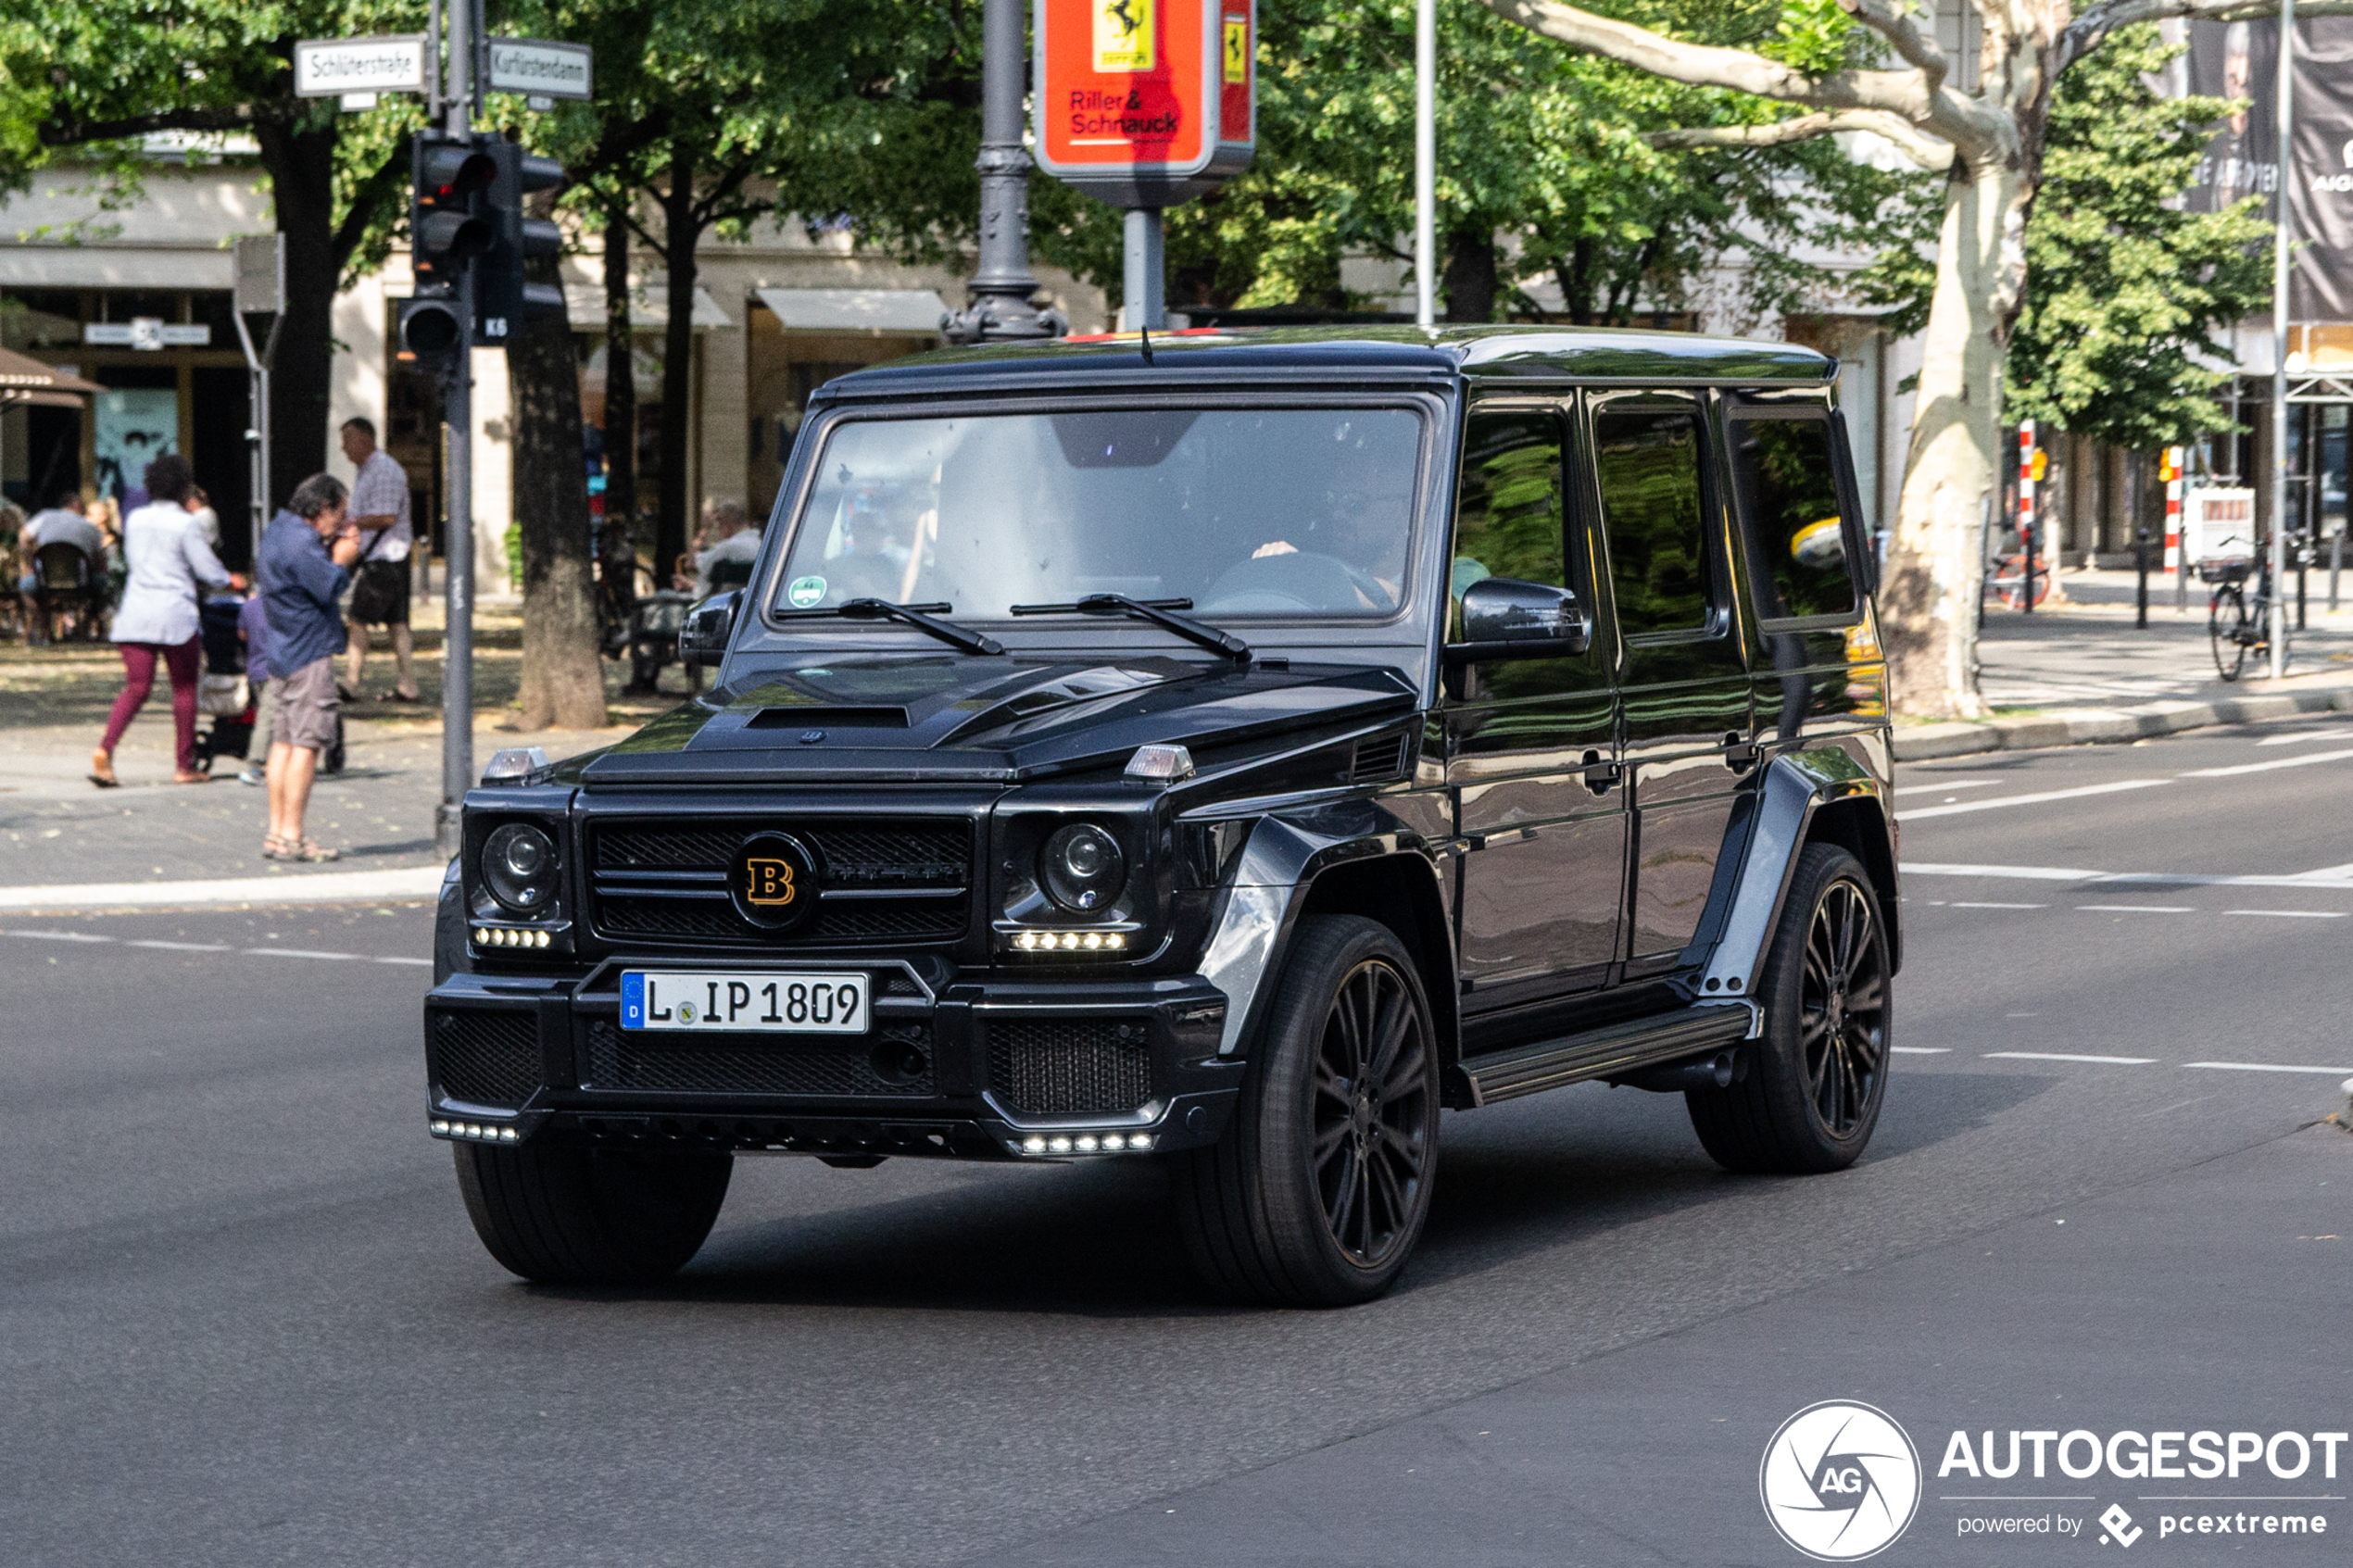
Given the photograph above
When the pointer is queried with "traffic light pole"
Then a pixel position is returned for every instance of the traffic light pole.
(458, 548)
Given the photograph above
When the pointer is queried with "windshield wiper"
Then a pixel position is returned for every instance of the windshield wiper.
(1157, 611)
(917, 616)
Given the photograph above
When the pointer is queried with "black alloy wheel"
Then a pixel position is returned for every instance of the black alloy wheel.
(1373, 1106)
(1816, 1072)
(1841, 1009)
(1317, 1192)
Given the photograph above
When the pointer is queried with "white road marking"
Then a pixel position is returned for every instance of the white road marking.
(426, 964)
(2040, 797)
(182, 946)
(296, 953)
(2304, 880)
(212, 948)
(1984, 904)
(1922, 1050)
(1949, 788)
(2307, 735)
(2329, 873)
(2065, 1056)
(2303, 761)
(2139, 909)
(2263, 1067)
(59, 937)
(2292, 914)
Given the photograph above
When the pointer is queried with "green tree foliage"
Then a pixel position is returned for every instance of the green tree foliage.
(1542, 171)
(2125, 289)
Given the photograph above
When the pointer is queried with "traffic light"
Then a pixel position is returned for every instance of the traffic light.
(449, 226)
(503, 299)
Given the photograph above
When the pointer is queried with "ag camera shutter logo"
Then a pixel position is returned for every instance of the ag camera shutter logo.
(1840, 1481)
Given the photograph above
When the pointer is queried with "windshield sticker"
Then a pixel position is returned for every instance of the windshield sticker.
(806, 592)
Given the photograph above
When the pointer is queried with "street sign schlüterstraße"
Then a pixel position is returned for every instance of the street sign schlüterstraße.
(328, 68)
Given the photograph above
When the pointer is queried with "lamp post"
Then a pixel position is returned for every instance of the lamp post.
(1002, 288)
(2276, 627)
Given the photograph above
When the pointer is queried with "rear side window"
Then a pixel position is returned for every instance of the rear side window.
(1647, 462)
(1787, 480)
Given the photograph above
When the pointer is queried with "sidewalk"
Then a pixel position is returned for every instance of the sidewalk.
(65, 844)
(2083, 672)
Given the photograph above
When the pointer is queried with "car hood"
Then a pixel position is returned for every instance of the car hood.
(958, 720)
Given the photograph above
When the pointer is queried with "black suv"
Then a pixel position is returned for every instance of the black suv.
(1227, 749)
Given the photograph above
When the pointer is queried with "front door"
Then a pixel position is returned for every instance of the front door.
(1531, 744)
(1685, 679)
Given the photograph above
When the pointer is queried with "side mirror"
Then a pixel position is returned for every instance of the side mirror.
(702, 636)
(1504, 618)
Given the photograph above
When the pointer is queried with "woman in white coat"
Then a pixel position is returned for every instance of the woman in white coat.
(169, 558)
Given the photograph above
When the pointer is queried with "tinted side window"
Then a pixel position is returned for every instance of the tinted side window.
(1507, 516)
(1647, 462)
(1788, 486)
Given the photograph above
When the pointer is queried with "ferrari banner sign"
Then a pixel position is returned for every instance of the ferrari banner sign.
(1145, 102)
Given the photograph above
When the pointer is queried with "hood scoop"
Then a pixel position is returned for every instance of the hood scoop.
(799, 717)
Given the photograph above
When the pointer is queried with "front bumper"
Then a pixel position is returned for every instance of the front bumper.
(985, 1067)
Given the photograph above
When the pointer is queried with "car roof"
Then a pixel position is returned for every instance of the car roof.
(1341, 353)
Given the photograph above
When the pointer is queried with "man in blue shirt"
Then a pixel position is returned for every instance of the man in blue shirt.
(303, 566)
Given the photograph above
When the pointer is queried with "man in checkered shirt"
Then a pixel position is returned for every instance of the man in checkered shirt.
(380, 591)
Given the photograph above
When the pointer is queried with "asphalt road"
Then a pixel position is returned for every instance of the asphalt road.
(243, 1319)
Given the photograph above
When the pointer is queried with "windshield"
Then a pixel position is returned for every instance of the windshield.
(1285, 512)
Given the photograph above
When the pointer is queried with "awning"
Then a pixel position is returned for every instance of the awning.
(24, 379)
(649, 310)
(115, 267)
(877, 312)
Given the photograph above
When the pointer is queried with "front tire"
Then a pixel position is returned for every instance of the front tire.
(1817, 1075)
(1318, 1191)
(2226, 629)
(566, 1214)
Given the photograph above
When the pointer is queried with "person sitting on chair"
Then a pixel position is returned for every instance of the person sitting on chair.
(731, 546)
(60, 523)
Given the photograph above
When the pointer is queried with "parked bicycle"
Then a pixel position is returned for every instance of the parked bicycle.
(2237, 624)
(2007, 579)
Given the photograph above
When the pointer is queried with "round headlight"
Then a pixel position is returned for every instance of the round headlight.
(519, 867)
(1082, 868)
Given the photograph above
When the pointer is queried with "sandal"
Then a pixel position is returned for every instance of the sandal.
(276, 848)
(311, 849)
(102, 771)
(178, 777)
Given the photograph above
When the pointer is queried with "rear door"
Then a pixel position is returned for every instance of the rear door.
(1531, 744)
(1684, 676)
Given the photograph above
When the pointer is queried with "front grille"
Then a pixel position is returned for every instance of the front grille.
(691, 920)
(665, 880)
(894, 1061)
(1048, 1067)
(487, 1058)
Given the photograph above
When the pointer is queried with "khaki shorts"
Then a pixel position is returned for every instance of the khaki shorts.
(307, 705)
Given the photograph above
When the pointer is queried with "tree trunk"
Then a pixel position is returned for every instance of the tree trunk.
(563, 678)
(1929, 603)
(678, 236)
(1575, 277)
(1470, 276)
(621, 408)
(300, 159)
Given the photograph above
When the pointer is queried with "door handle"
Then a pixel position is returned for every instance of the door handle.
(1599, 774)
(1740, 752)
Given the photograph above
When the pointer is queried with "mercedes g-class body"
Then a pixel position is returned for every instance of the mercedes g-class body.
(1225, 750)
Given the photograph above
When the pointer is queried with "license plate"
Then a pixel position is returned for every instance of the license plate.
(776, 1004)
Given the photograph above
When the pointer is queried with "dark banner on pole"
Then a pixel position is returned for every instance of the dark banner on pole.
(2239, 60)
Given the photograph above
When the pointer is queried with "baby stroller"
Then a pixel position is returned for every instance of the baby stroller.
(223, 696)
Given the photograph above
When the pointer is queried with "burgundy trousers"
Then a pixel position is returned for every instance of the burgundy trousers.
(183, 664)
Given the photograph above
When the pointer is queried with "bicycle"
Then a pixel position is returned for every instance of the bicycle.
(2007, 579)
(2236, 625)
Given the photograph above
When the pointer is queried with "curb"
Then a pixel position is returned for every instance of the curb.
(316, 888)
(2096, 726)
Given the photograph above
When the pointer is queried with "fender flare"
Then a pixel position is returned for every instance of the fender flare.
(1796, 789)
(1260, 906)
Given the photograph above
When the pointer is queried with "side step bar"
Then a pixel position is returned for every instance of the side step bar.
(1600, 1053)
